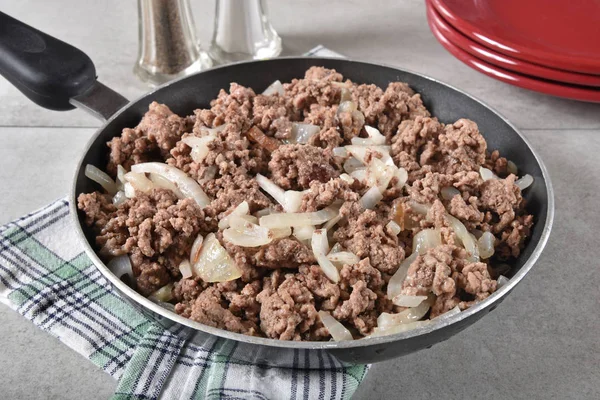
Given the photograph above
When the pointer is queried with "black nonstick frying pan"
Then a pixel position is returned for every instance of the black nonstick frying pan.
(58, 76)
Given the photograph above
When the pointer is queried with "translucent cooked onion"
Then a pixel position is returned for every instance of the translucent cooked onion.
(511, 168)
(359, 174)
(412, 314)
(196, 247)
(119, 198)
(320, 247)
(187, 186)
(164, 294)
(419, 208)
(214, 263)
(425, 240)
(345, 94)
(502, 280)
(393, 227)
(246, 234)
(281, 233)
(402, 176)
(352, 164)
(292, 201)
(398, 328)
(199, 146)
(185, 267)
(361, 153)
(271, 188)
(301, 133)
(241, 209)
(395, 284)
(376, 137)
(274, 88)
(336, 248)
(347, 178)
(449, 192)
(404, 300)
(128, 190)
(486, 174)
(120, 177)
(163, 183)
(283, 220)
(332, 222)
(101, 178)
(250, 218)
(303, 233)
(379, 174)
(340, 152)
(468, 241)
(449, 313)
(486, 245)
(139, 181)
(347, 106)
(371, 197)
(524, 182)
(121, 265)
(209, 173)
(343, 258)
(337, 331)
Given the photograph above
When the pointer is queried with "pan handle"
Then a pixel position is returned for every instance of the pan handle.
(52, 73)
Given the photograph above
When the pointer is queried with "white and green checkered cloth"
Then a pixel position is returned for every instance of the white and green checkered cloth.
(46, 277)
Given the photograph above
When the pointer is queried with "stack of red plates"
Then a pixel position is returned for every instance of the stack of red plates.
(551, 47)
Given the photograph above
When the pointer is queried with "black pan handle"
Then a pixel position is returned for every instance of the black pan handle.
(49, 71)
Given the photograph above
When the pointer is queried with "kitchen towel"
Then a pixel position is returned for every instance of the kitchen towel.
(46, 277)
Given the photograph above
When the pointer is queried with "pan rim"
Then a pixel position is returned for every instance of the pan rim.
(314, 345)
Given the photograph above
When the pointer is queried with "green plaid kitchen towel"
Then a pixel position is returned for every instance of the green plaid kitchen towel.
(46, 277)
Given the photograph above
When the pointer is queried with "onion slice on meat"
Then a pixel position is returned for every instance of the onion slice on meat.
(271, 188)
(241, 209)
(524, 182)
(199, 146)
(375, 138)
(119, 198)
(196, 247)
(371, 197)
(468, 241)
(101, 178)
(404, 300)
(449, 192)
(337, 331)
(246, 234)
(303, 233)
(361, 153)
(393, 227)
(139, 181)
(398, 328)
(449, 313)
(180, 179)
(395, 284)
(511, 167)
(486, 174)
(342, 258)
(214, 263)
(320, 247)
(185, 267)
(502, 280)
(164, 183)
(426, 239)
(164, 294)
(301, 133)
(412, 314)
(121, 265)
(340, 152)
(274, 88)
(486, 245)
(283, 220)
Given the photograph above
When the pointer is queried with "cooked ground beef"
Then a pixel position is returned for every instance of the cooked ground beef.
(281, 286)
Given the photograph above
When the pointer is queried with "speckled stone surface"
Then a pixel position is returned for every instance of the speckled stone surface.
(541, 343)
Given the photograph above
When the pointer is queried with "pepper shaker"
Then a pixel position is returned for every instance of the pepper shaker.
(168, 48)
(242, 31)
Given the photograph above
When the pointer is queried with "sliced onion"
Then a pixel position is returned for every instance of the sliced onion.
(425, 240)
(524, 182)
(393, 227)
(301, 133)
(139, 181)
(128, 190)
(412, 314)
(196, 247)
(187, 186)
(468, 241)
(332, 222)
(359, 174)
(250, 218)
(449, 313)
(352, 164)
(164, 294)
(449, 192)
(371, 197)
(121, 265)
(164, 183)
(199, 146)
(246, 234)
(119, 198)
(320, 247)
(303, 233)
(214, 263)
(402, 176)
(336, 248)
(274, 88)
(395, 284)
(343, 258)
(292, 200)
(347, 178)
(101, 178)
(120, 177)
(419, 208)
(502, 280)
(486, 245)
(337, 331)
(376, 137)
(241, 209)
(283, 220)
(511, 168)
(271, 188)
(404, 300)
(347, 106)
(209, 174)
(340, 152)
(345, 94)
(280, 233)
(486, 174)
(361, 153)
(379, 174)
(398, 328)
(185, 267)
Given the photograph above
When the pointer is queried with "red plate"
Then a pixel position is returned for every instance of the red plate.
(557, 33)
(507, 62)
(523, 81)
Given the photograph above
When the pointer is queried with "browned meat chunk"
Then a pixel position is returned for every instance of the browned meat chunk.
(295, 166)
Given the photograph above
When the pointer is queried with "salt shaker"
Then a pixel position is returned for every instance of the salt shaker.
(168, 48)
(242, 31)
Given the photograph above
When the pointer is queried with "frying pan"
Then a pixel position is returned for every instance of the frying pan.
(58, 76)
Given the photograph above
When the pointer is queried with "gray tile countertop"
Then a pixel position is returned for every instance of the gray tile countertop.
(541, 343)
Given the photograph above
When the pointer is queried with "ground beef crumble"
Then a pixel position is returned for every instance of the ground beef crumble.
(282, 287)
